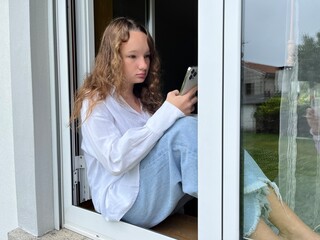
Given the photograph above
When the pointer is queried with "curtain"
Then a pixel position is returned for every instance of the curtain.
(299, 162)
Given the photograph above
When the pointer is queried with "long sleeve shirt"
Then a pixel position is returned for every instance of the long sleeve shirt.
(115, 138)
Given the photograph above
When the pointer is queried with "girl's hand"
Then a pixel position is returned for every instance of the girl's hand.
(184, 102)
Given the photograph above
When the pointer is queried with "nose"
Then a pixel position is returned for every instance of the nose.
(143, 63)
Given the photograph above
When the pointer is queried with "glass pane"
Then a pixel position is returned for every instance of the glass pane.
(280, 112)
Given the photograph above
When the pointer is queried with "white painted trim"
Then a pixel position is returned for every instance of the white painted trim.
(231, 119)
(85, 38)
(210, 51)
(97, 228)
(62, 72)
(54, 114)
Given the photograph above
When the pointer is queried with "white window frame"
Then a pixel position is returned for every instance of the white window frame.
(231, 118)
(219, 128)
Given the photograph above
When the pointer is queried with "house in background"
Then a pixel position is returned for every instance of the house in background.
(261, 82)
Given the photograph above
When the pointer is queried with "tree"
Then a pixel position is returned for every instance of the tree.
(309, 59)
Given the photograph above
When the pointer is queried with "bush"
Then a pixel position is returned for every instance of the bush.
(267, 116)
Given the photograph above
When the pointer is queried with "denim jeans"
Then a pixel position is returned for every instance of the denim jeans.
(168, 175)
(255, 203)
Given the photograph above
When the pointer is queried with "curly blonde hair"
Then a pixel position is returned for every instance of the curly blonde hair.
(107, 73)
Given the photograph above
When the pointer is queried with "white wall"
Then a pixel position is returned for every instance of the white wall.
(30, 77)
(26, 162)
(8, 205)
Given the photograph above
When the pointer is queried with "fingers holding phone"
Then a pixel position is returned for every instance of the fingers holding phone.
(186, 98)
(184, 102)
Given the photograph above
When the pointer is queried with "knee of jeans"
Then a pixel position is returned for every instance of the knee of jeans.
(188, 123)
(185, 128)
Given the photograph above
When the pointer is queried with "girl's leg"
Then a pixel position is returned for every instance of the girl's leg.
(263, 232)
(288, 223)
(256, 207)
(263, 208)
(168, 175)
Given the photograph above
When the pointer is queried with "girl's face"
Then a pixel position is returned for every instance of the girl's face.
(135, 55)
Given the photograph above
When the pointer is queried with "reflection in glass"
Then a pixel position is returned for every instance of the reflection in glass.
(281, 98)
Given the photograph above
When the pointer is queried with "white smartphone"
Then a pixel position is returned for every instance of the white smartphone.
(190, 80)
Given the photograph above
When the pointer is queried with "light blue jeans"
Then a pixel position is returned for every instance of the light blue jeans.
(168, 175)
(255, 203)
(169, 178)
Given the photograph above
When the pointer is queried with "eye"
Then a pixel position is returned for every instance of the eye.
(147, 56)
(132, 56)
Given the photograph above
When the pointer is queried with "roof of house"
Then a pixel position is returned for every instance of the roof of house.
(261, 67)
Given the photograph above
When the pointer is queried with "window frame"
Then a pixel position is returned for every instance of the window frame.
(231, 119)
(219, 129)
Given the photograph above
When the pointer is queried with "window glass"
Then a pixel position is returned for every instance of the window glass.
(280, 103)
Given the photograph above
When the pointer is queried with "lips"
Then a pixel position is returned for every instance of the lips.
(141, 75)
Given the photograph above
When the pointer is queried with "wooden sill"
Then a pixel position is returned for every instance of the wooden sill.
(179, 226)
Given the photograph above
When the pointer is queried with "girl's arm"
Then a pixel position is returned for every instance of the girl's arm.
(117, 152)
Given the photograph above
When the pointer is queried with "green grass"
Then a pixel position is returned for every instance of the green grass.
(263, 148)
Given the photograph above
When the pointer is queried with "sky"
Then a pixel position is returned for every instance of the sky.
(266, 25)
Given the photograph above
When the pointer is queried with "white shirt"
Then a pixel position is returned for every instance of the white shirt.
(115, 139)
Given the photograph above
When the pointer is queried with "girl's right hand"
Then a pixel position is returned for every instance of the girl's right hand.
(184, 102)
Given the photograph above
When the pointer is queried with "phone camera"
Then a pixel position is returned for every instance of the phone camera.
(193, 74)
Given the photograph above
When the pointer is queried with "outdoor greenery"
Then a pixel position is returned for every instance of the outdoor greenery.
(263, 144)
(263, 147)
(309, 59)
(267, 115)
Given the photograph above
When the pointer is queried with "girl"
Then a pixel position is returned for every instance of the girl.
(141, 152)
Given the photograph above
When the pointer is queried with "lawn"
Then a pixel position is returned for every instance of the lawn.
(263, 147)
